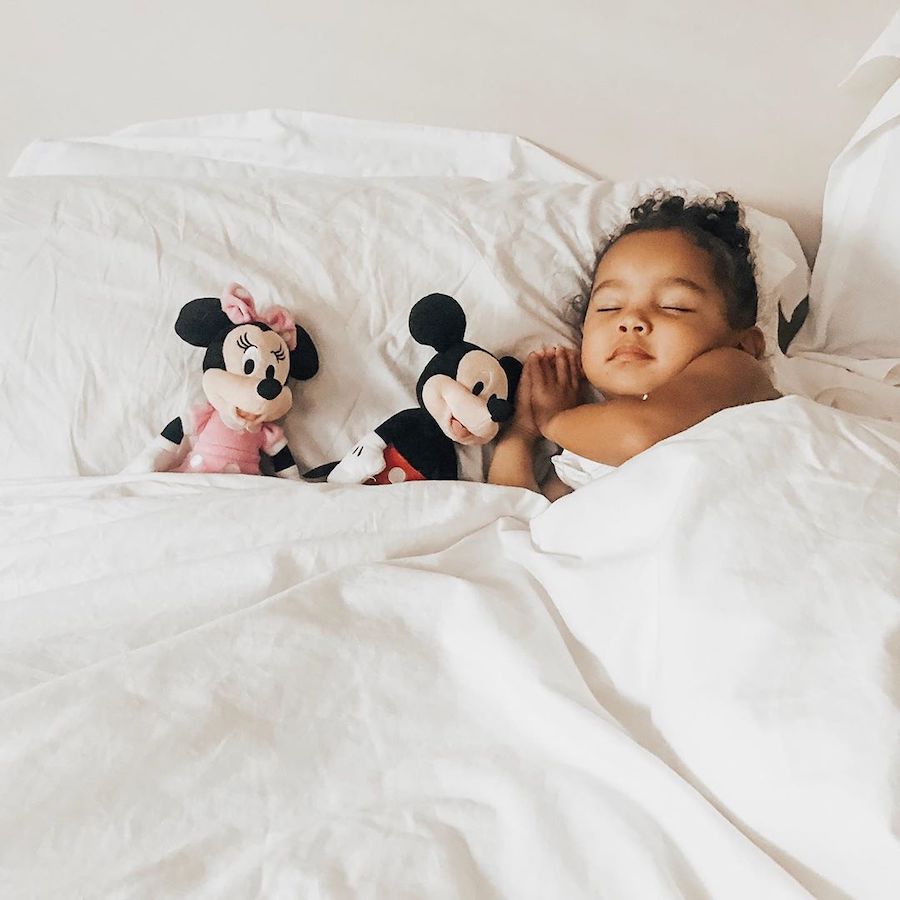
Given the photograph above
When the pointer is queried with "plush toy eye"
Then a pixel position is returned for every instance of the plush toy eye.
(482, 374)
(251, 358)
(270, 372)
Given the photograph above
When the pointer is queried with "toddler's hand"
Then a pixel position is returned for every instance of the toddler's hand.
(522, 422)
(555, 382)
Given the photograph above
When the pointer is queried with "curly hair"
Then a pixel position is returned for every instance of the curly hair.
(716, 225)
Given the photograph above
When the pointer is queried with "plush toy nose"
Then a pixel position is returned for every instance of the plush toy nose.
(269, 388)
(500, 410)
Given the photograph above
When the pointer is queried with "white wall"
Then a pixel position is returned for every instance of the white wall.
(739, 94)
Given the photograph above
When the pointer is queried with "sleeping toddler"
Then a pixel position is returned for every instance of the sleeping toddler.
(668, 338)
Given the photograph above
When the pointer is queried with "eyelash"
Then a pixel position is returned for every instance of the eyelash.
(278, 354)
(683, 309)
(244, 342)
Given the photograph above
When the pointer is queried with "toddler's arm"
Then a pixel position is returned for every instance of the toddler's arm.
(513, 461)
(615, 431)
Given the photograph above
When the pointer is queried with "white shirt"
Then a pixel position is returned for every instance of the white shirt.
(576, 471)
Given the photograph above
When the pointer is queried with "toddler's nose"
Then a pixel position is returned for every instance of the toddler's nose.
(633, 324)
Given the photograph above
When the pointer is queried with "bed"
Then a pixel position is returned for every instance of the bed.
(679, 681)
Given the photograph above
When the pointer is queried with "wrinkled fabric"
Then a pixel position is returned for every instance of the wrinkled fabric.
(679, 681)
(93, 273)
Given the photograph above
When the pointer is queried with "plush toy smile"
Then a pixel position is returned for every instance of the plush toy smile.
(458, 431)
(247, 399)
(463, 416)
(249, 418)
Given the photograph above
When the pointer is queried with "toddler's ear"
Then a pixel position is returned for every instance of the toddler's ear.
(752, 341)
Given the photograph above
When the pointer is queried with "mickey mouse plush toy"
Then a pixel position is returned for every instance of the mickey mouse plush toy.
(249, 357)
(464, 394)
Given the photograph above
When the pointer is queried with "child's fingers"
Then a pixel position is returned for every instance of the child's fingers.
(535, 374)
(574, 367)
(523, 392)
(562, 366)
(548, 366)
(525, 377)
(524, 413)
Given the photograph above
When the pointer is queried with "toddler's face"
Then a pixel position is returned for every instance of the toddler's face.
(654, 308)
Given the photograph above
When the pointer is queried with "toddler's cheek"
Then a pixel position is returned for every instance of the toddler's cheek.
(593, 371)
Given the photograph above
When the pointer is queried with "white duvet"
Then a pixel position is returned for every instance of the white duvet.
(676, 682)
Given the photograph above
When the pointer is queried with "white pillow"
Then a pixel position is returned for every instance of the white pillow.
(267, 142)
(93, 273)
(253, 143)
(855, 294)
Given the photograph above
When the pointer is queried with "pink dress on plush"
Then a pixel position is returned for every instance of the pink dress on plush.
(217, 448)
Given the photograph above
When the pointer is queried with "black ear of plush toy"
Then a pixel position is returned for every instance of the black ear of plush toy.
(465, 393)
(437, 321)
(201, 321)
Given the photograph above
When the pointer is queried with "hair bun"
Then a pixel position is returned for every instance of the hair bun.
(720, 216)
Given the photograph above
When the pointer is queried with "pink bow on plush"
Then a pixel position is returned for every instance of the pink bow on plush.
(240, 307)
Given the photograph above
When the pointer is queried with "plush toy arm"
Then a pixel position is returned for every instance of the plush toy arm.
(275, 446)
(363, 462)
(284, 465)
(164, 453)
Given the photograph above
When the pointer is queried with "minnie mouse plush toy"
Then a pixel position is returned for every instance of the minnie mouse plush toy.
(249, 356)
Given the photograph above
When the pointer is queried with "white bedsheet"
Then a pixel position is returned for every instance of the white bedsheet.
(676, 682)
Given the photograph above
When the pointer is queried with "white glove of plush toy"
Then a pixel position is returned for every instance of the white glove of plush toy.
(291, 473)
(160, 455)
(363, 462)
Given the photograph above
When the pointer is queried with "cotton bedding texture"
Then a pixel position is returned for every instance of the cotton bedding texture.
(679, 681)
(673, 683)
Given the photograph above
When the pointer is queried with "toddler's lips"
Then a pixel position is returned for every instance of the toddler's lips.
(630, 353)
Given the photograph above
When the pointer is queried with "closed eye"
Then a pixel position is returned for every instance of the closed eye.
(608, 308)
(677, 308)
